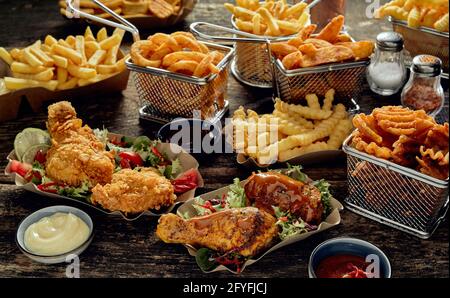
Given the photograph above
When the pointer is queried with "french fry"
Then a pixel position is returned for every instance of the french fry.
(43, 57)
(71, 40)
(68, 53)
(81, 72)
(110, 42)
(31, 59)
(5, 56)
(91, 47)
(102, 34)
(64, 43)
(69, 84)
(97, 58)
(16, 83)
(60, 61)
(88, 35)
(45, 75)
(61, 75)
(270, 21)
(21, 67)
(79, 47)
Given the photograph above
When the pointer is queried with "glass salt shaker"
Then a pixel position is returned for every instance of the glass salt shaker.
(386, 73)
(423, 90)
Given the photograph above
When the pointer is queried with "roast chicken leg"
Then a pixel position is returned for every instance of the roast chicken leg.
(245, 231)
(265, 190)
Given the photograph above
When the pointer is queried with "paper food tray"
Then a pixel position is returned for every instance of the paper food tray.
(10, 102)
(173, 151)
(333, 219)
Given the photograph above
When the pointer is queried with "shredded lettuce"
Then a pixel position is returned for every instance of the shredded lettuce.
(81, 192)
(172, 170)
(102, 135)
(198, 206)
(295, 172)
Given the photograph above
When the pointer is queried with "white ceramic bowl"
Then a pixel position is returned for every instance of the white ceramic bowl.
(36, 216)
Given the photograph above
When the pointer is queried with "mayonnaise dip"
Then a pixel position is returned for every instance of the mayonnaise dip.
(56, 234)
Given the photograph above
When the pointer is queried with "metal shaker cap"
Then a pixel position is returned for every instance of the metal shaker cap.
(427, 65)
(390, 41)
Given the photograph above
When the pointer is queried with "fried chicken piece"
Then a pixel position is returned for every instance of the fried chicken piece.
(133, 191)
(245, 231)
(275, 189)
(76, 155)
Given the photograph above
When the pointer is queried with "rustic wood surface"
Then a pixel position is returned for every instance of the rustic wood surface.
(130, 249)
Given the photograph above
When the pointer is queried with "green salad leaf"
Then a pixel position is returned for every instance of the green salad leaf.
(295, 172)
(289, 226)
(236, 195)
(205, 260)
(324, 187)
(102, 135)
(81, 192)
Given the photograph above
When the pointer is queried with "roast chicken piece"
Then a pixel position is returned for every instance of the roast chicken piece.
(245, 231)
(274, 189)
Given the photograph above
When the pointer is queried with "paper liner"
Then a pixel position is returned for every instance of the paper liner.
(151, 21)
(305, 159)
(173, 151)
(10, 102)
(333, 219)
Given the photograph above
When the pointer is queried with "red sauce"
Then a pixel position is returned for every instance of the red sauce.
(342, 266)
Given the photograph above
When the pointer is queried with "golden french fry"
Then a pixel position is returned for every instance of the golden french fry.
(64, 43)
(81, 72)
(45, 75)
(16, 83)
(26, 68)
(270, 21)
(256, 20)
(296, 10)
(102, 34)
(43, 57)
(5, 56)
(79, 47)
(97, 58)
(71, 40)
(69, 84)
(31, 59)
(88, 35)
(60, 61)
(90, 48)
(68, 53)
(110, 42)
(61, 75)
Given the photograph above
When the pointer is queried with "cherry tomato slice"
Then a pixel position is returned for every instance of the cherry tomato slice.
(130, 160)
(20, 168)
(186, 181)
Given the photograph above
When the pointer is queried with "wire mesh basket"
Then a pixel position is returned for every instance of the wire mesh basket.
(293, 85)
(165, 95)
(394, 195)
(251, 64)
(422, 40)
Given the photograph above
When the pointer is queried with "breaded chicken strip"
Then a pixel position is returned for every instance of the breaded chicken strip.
(76, 155)
(133, 191)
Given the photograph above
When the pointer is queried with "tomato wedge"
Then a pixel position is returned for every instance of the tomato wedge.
(20, 168)
(130, 160)
(186, 181)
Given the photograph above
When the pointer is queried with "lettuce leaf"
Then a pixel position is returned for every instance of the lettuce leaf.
(324, 187)
(236, 195)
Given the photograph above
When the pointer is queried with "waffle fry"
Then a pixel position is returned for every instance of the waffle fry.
(178, 52)
(295, 134)
(406, 137)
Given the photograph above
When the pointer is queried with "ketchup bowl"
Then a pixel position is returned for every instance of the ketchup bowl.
(348, 258)
(45, 213)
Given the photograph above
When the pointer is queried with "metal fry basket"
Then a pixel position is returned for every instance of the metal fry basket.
(165, 95)
(394, 195)
(346, 78)
(423, 40)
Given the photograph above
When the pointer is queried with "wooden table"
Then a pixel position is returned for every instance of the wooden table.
(130, 249)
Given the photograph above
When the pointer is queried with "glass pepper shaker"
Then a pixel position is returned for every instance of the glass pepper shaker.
(424, 90)
(386, 73)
